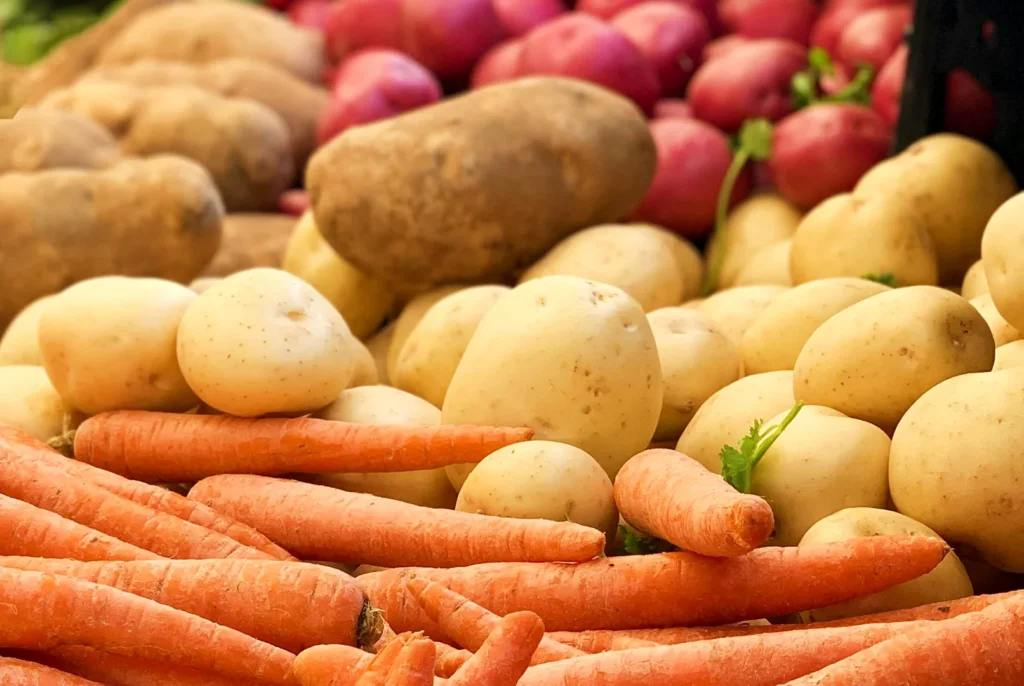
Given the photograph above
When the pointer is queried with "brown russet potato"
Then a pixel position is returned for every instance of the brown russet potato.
(37, 139)
(251, 240)
(479, 186)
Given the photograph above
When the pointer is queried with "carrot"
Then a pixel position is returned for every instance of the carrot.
(671, 496)
(669, 589)
(14, 672)
(29, 530)
(115, 670)
(31, 481)
(168, 448)
(414, 665)
(449, 659)
(505, 654)
(291, 605)
(44, 611)
(323, 523)
(984, 648)
(746, 661)
(600, 641)
(331, 665)
(469, 625)
(377, 671)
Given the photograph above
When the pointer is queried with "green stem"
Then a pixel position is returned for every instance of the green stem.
(774, 435)
(739, 161)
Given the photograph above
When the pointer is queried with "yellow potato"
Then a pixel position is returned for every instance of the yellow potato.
(875, 358)
(631, 257)
(776, 338)
(431, 353)
(974, 283)
(1009, 356)
(363, 301)
(365, 365)
(378, 345)
(948, 581)
(755, 224)
(822, 462)
(263, 341)
(727, 416)
(204, 283)
(542, 480)
(383, 405)
(28, 401)
(848, 235)
(109, 344)
(573, 359)
(736, 309)
(957, 463)
(19, 344)
(1002, 331)
(411, 315)
(697, 359)
(768, 266)
(689, 260)
(1003, 260)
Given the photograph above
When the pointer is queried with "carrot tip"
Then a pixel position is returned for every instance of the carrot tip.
(64, 443)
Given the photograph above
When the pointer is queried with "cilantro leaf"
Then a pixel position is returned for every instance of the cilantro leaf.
(738, 465)
(636, 544)
(886, 279)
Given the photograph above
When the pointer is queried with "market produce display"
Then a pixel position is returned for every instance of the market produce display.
(502, 343)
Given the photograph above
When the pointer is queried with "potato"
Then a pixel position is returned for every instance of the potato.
(542, 480)
(671, 36)
(769, 266)
(952, 185)
(363, 301)
(379, 345)
(383, 405)
(410, 316)
(575, 360)
(461, 203)
(789, 19)
(109, 344)
(727, 416)
(263, 341)
(629, 257)
(872, 360)
(431, 353)
(499, 64)
(251, 240)
(357, 24)
(690, 261)
(873, 36)
(157, 217)
(1009, 355)
(948, 581)
(852, 236)
(957, 463)
(1002, 331)
(697, 359)
(774, 341)
(365, 365)
(204, 32)
(244, 145)
(204, 283)
(19, 344)
(450, 36)
(519, 17)
(823, 462)
(37, 139)
(974, 283)
(28, 401)
(736, 309)
(755, 224)
(1003, 262)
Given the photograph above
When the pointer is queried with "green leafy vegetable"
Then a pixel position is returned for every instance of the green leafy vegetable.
(806, 85)
(886, 279)
(754, 142)
(738, 465)
(642, 545)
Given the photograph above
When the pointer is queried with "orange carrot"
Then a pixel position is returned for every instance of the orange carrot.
(449, 659)
(978, 649)
(600, 641)
(505, 654)
(765, 660)
(31, 481)
(44, 611)
(29, 530)
(170, 448)
(415, 665)
(331, 665)
(674, 497)
(288, 604)
(115, 670)
(669, 589)
(377, 671)
(14, 672)
(322, 523)
(469, 625)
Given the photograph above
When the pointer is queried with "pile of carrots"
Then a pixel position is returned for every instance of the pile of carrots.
(109, 580)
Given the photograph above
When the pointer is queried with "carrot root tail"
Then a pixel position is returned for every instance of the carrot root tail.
(370, 627)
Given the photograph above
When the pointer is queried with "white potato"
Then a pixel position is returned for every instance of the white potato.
(1002, 331)
(573, 359)
(755, 224)
(776, 338)
(203, 283)
(410, 316)
(19, 343)
(727, 416)
(364, 371)
(378, 345)
(542, 480)
(736, 309)
(948, 581)
(632, 257)
(688, 259)
(109, 344)
(875, 358)
(974, 283)
(769, 266)
(263, 341)
(1003, 259)
(697, 359)
(822, 462)
(431, 353)
(383, 405)
(1009, 356)
(28, 401)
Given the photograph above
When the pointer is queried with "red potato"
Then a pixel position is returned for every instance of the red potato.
(450, 36)
(789, 19)
(823, 150)
(671, 36)
(519, 17)
(723, 45)
(608, 9)
(748, 82)
(873, 36)
(673, 108)
(357, 24)
(501, 63)
(692, 161)
(374, 85)
(312, 14)
(837, 15)
(583, 47)
(294, 203)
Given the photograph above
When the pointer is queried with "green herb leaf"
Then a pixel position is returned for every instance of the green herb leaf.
(738, 465)
(756, 139)
(886, 279)
(858, 91)
(820, 61)
(635, 544)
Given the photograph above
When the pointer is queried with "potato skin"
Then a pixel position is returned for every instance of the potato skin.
(975, 283)
(37, 139)
(251, 240)
(28, 401)
(19, 344)
(755, 224)
(462, 198)
(1003, 261)
(736, 309)
(157, 217)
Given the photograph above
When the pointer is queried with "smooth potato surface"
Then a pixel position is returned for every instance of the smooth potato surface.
(768, 266)
(19, 344)
(409, 318)
(1003, 260)
(736, 309)
(974, 283)
(28, 401)
(755, 224)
